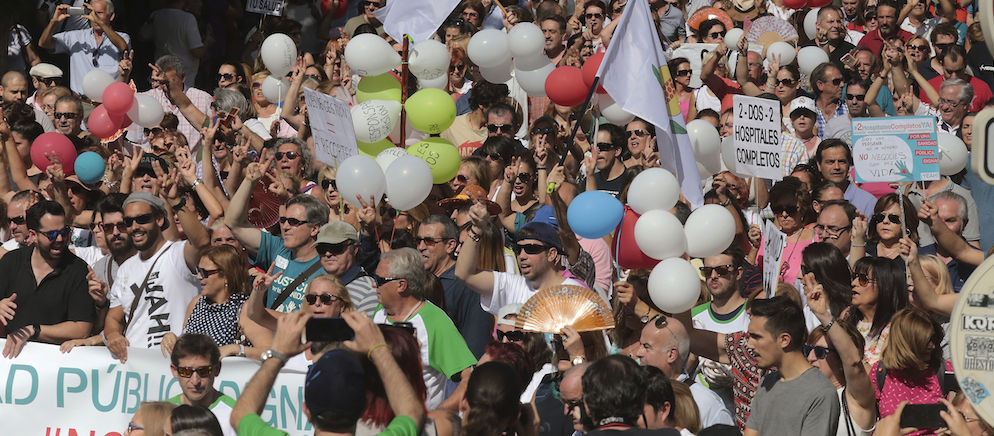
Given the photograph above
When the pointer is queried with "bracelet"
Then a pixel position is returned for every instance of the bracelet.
(540, 169)
(858, 245)
(825, 328)
(369, 353)
(196, 182)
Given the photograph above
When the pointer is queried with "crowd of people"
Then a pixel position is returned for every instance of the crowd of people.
(168, 250)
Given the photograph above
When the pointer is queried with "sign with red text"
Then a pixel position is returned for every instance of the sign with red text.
(895, 149)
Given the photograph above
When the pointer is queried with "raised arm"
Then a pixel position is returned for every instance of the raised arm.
(871, 95)
(237, 216)
(109, 32)
(950, 242)
(481, 282)
(196, 233)
(256, 305)
(46, 40)
(504, 197)
(742, 69)
(704, 343)
(924, 292)
(708, 77)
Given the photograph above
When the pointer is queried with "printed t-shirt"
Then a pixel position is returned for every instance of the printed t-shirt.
(272, 252)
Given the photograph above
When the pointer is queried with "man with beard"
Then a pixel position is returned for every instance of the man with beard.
(152, 290)
(44, 286)
(887, 27)
(118, 243)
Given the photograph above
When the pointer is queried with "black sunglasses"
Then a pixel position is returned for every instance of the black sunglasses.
(109, 227)
(820, 352)
(597, 15)
(786, 82)
(917, 47)
(542, 131)
(494, 128)
(46, 80)
(722, 270)
(54, 234)
(836, 81)
(492, 156)
(142, 219)
(333, 249)
(66, 115)
(864, 278)
(857, 97)
(892, 218)
(291, 155)
(512, 336)
(428, 241)
(328, 182)
(680, 73)
(604, 146)
(530, 248)
(226, 76)
(461, 68)
(525, 178)
(380, 281)
(19, 220)
(187, 372)
(717, 34)
(325, 298)
(781, 208)
(292, 221)
(205, 273)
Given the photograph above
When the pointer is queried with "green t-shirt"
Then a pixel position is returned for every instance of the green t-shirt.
(253, 425)
(221, 409)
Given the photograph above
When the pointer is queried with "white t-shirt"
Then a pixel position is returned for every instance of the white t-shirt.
(175, 33)
(711, 407)
(171, 287)
(512, 289)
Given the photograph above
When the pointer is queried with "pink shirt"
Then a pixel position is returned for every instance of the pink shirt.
(791, 257)
(601, 252)
(921, 390)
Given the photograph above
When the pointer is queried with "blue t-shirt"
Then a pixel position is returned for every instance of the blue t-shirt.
(272, 252)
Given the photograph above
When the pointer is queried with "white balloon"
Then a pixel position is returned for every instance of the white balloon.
(674, 285)
(278, 53)
(500, 73)
(728, 155)
(809, 58)
(613, 113)
(732, 38)
(275, 89)
(710, 230)
(811, 23)
(95, 82)
(653, 189)
(360, 175)
(146, 111)
(409, 182)
(428, 59)
(370, 55)
(531, 62)
(437, 82)
(704, 139)
(374, 119)
(386, 157)
(533, 81)
(952, 154)
(488, 48)
(525, 39)
(783, 49)
(659, 235)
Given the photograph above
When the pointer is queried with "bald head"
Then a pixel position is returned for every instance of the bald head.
(15, 86)
(665, 346)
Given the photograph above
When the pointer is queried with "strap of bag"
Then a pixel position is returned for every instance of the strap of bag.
(293, 285)
(141, 290)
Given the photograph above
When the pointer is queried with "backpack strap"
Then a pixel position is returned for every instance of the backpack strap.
(881, 376)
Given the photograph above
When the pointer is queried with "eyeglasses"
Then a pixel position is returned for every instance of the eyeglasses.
(595, 15)
(293, 222)
(226, 76)
(857, 97)
(572, 404)
(494, 128)
(461, 68)
(132, 427)
(917, 47)
(429, 242)
(722, 270)
(717, 34)
(831, 230)
(512, 336)
(786, 82)
(19, 220)
(154, 131)
(109, 227)
(380, 281)
(820, 352)
(66, 115)
(54, 234)
(638, 132)
(778, 209)
(892, 218)
(333, 249)
(316, 77)
(290, 155)
(205, 273)
(325, 299)
(605, 146)
(187, 372)
(942, 46)
(681, 73)
(96, 53)
(863, 279)
(953, 103)
(328, 182)
(525, 178)
(542, 131)
(142, 219)
(530, 248)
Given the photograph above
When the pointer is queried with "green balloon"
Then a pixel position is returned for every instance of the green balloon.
(431, 110)
(373, 149)
(442, 157)
(382, 87)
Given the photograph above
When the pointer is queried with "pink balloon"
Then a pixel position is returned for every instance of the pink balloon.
(53, 142)
(118, 97)
(103, 123)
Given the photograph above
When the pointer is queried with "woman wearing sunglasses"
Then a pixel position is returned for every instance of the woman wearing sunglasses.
(879, 289)
(458, 66)
(522, 179)
(292, 160)
(888, 224)
(680, 71)
(791, 205)
(339, 210)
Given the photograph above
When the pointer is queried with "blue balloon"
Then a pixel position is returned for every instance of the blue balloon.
(89, 167)
(594, 214)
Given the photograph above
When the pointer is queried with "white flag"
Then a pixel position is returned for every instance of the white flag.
(418, 18)
(635, 75)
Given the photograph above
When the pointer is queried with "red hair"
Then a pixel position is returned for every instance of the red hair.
(407, 353)
(514, 355)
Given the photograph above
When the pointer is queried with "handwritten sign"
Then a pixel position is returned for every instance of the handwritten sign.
(268, 7)
(756, 137)
(773, 244)
(331, 124)
(895, 149)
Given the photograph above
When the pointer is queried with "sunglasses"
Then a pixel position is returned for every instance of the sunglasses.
(293, 222)
(226, 76)
(66, 115)
(205, 273)
(460, 68)
(291, 155)
(717, 34)
(572, 404)
(462, 178)
(942, 46)
(19, 220)
(142, 219)
(820, 352)
(380, 281)
(542, 131)
(605, 146)
(153, 131)
(530, 248)
(46, 80)
(512, 336)
(494, 128)
(54, 234)
(681, 73)
(589, 16)
(856, 97)
(333, 249)
(831, 230)
(917, 47)
(639, 132)
(187, 372)
(325, 299)
(256, 85)
(525, 178)
(109, 227)
(429, 242)
(863, 279)
(722, 270)
(373, 4)
(781, 208)
(132, 427)
(492, 156)
(328, 182)
(836, 81)
(786, 82)
(890, 217)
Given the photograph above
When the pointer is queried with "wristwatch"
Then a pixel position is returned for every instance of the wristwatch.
(274, 354)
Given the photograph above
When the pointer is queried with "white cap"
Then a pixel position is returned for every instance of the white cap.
(802, 103)
(45, 71)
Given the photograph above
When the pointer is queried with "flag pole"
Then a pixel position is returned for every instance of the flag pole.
(403, 91)
(572, 137)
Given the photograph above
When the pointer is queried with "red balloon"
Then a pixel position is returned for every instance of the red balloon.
(796, 4)
(623, 245)
(590, 71)
(125, 121)
(118, 97)
(564, 86)
(103, 123)
(53, 142)
(818, 3)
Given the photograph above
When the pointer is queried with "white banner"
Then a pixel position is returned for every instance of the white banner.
(774, 241)
(268, 7)
(331, 125)
(757, 137)
(88, 392)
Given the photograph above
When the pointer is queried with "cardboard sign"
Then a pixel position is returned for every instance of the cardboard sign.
(895, 149)
(331, 125)
(756, 137)
(267, 7)
(971, 339)
(774, 241)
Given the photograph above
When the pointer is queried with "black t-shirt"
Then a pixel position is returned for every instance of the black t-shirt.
(61, 296)
(613, 186)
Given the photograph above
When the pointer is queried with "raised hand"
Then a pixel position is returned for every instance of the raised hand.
(755, 235)
(264, 281)
(55, 172)
(909, 250)
(187, 168)
(625, 291)
(367, 212)
(168, 181)
(256, 170)
(126, 64)
(815, 293)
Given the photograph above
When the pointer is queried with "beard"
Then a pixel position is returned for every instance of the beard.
(151, 238)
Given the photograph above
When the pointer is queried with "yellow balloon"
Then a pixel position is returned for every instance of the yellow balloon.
(382, 87)
(442, 157)
(373, 149)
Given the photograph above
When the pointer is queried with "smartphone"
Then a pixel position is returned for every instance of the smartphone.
(76, 11)
(328, 330)
(922, 416)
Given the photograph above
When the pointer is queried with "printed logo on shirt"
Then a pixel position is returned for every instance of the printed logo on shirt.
(158, 313)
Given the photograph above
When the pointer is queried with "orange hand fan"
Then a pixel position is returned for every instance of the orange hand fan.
(553, 308)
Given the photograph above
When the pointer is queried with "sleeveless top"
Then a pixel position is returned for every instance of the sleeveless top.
(219, 321)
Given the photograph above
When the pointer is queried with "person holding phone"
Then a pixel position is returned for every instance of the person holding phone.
(98, 47)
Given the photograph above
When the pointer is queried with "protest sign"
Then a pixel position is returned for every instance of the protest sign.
(773, 244)
(268, 7)
(971, 339)
(331, 125)
(895, 149)
(88, 392)
(756, 137)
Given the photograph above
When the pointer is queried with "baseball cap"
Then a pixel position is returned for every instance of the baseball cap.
(802, 104)
(542, 232)
(45, 71)
(336, 232)
(336, 382)
(546, 214)
(508, 309)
